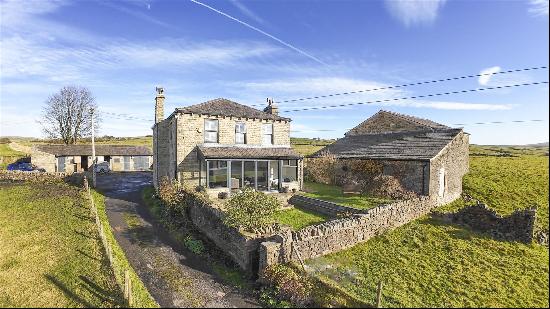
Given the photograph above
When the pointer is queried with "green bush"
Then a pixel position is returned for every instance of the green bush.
(251, 210)
(195, 245)
(288, 284)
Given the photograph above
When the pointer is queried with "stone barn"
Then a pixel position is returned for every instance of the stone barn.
(425, 157)
(78, 158)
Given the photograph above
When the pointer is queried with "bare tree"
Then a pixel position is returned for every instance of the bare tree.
(66, 115)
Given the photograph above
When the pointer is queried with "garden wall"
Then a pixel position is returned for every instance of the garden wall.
(75, 178)
(242, 248)
(519, 226)
(340, 234)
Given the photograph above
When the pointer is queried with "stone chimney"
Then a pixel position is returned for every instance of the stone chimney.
(271, 107)
(159, 105)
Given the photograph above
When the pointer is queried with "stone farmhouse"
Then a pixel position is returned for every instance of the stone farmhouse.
(78, 158)
(225, 146)
(426, 157)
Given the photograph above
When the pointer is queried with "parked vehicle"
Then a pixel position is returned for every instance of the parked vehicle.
(24, 166)
(102, 167)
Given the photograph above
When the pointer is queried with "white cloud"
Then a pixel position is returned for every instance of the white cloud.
(22, 57)
(247, 12)
(411, 12)
(486, 75)
(538, 7)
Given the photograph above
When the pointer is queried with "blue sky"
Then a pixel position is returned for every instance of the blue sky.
(121, 50)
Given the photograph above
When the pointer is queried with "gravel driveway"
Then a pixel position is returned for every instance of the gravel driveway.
(174, 276)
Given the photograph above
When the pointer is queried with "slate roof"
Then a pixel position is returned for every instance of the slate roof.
(100, 150)
(223, 152)
(408, 145)
(421, 121)
(429, 124)
(225, 107)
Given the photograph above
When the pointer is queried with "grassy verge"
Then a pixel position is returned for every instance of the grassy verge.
(427, 263)
(141, 297)
(298, 218)
(50, 252)
(335, 194)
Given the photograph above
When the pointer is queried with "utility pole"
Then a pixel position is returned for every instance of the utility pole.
(93, 148)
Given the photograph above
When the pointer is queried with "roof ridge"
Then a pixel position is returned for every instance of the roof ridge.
(414, 119)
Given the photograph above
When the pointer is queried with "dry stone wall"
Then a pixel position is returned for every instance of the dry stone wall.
(242, 248)
(519, 226)
(340, 234)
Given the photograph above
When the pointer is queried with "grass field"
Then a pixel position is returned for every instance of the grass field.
(509, 183)
(6, 151)
(50, 252)
(427, 263)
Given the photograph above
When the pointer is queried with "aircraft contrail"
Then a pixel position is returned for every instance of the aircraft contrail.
(261, 31)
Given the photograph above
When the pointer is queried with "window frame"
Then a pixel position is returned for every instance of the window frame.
(265, 125)
(207, 130)
(239, 125)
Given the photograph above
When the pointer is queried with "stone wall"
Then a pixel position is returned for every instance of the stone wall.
(160, 152)
(44, 160)
(519, 226)
(453, 161)
(336, 235)
(242, 248)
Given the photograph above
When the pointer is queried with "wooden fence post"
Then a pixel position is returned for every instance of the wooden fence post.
(128, 287)
(379, 295)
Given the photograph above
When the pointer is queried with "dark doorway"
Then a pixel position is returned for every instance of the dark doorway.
(84, 162)
(107, 159)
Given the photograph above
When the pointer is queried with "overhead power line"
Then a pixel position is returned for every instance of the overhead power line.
(454, 124)
(408, 84)
(413, 97)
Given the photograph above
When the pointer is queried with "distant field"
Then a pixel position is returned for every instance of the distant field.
(428, 263)
(304, 146)
(50, 253)
(307, 146)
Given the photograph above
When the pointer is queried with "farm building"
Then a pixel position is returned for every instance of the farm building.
(425, 157)
(78, 158)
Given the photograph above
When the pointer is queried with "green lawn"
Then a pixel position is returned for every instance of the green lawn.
(298, 218)
(50, 252)
(428, 263)
(335, 194)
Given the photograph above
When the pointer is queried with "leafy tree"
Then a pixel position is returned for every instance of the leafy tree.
(66, 115)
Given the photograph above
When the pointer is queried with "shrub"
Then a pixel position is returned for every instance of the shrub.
(321, 169)
(195, 245)
(170, 192)
(251, 210)
(387, 186)
(288, 284)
